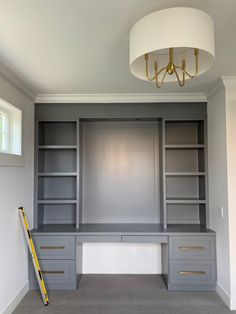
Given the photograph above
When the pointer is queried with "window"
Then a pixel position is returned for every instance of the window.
(4, 131)
(10, 129)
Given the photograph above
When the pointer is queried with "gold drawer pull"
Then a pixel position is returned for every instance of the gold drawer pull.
(191, 273)
(53, 272)
(191, 248)
(52, 247)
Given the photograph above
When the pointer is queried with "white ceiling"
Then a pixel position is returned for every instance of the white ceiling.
(82, 46)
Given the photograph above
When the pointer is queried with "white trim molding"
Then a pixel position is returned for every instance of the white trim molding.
(120, 98)
(10, 307)
(7, 74)
(214, 89)
(229, 80)
(225, 296)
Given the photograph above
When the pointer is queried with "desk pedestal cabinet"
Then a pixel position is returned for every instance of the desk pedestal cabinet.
(131, 173)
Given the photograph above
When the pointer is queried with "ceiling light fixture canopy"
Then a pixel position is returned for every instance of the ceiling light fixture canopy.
(172, 45)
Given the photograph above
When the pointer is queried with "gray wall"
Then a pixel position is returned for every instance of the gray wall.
(218, 185)
(16, 189)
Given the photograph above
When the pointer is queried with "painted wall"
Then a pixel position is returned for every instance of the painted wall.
(222, 183)
(121, 258)
(231, 161)
(218, 186)
(16, 189)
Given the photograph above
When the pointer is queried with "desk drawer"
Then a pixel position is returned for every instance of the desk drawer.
(144, 239)
(98, 238)
(193, 247)
(55, 247)
(57, 274)
(184, 272)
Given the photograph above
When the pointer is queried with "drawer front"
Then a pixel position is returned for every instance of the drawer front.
(55, 247)
(192, 247)
(98, 238)
(57, 274)
(192, 272)
(144, 239)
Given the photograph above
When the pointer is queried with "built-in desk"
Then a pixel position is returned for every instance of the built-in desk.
(188, 251)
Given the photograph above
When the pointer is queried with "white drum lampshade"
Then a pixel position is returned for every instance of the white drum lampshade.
(183, 29)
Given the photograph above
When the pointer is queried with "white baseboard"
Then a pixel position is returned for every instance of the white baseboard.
(10, 307)
(223, 294)
(233, 304)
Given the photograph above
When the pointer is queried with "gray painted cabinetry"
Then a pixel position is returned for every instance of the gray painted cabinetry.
(57, 260)
(130, 173)
(191, 262)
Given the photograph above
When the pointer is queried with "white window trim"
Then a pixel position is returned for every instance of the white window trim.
(10, 159)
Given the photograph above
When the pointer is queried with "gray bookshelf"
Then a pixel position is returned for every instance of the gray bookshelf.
(56, 186)
(185, 196)
(71, 156)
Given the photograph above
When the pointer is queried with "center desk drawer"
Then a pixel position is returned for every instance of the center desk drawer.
(144, 239)
(195, 247)
(98, 238)
(55, 247)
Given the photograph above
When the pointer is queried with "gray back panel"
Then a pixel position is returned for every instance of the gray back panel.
(57, 213)
(120, 164)
(57, 160)
(183, 213)
(57, 188)
(183, 160)
(57, 133)
(182, 187)
(183, 133)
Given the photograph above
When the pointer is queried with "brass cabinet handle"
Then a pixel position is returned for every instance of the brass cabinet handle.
(52, 247)
(191, 273)
(53, 272)
(191, 247)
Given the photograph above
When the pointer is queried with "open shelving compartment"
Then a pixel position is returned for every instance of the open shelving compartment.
(185, 172)
(56, 173)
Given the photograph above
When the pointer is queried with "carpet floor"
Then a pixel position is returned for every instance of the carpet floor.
(123, 294)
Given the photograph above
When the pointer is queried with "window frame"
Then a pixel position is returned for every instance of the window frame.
(14, 155)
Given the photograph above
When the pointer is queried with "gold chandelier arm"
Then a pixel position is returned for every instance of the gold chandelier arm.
(147, 68)
(185, 72)
(196, 53)
(159, 85)
(181, 84)
(161, 70)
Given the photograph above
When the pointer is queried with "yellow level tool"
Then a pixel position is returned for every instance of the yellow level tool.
(34, 256)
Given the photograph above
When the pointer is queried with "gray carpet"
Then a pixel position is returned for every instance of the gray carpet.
(123, 294)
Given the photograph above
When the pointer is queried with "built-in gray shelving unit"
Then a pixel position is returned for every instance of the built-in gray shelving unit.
(125, 173)
(56, 180)
(185, 196)
(84, 167)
